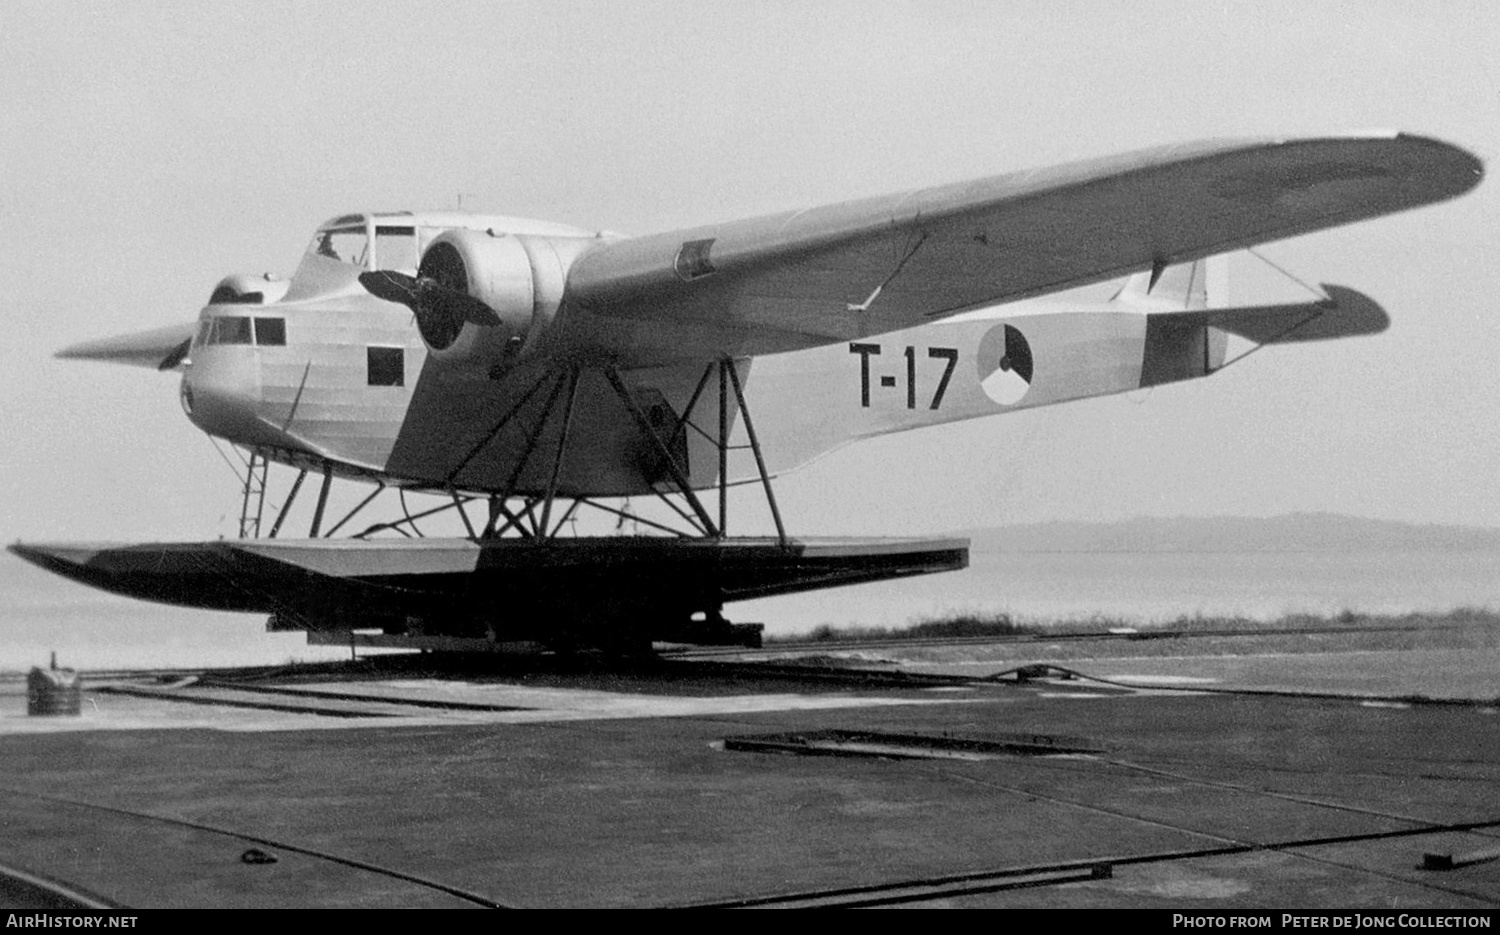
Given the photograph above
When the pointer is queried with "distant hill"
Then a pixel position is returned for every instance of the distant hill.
(1297, 532)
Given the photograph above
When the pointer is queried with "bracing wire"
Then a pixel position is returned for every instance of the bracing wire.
(238, 478)
(1319, 293)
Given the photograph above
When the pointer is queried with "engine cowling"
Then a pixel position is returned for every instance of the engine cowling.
(518, 278)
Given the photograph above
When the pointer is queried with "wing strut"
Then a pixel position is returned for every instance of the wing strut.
(760, 462)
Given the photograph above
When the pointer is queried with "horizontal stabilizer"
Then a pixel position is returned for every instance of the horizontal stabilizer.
(160, 348)
(1188, 344)
(1345, 313)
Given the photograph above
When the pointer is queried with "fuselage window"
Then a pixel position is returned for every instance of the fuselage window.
(396, 247)
(270, 332)
(386, 366)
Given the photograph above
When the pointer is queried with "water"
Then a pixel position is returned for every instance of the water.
(40, 612)
(1153, 586)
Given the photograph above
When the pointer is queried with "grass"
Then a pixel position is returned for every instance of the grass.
(961, 625)
(1482, 624)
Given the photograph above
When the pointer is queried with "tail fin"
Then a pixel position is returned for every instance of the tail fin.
(1185, 287)
(1179, 353)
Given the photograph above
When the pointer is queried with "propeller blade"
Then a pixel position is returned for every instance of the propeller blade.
(426, 296)
(459, 305)
(393, 287)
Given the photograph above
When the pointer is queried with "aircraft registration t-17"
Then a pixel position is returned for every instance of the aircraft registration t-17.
(535, 369)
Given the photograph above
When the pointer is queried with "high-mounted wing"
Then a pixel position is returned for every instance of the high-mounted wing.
(844, 271)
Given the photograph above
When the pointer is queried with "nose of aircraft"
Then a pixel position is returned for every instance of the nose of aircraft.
(221, 393)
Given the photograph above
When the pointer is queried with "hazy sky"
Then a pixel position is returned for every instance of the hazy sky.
(146, 150)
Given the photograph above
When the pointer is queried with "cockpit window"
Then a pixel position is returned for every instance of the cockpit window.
(345, 244)
(237, 329)
(396, 248)
(230, 329)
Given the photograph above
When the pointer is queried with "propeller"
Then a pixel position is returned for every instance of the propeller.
(441, 311)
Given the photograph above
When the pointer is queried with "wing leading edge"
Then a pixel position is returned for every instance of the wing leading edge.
(163, 348)
(805, 278)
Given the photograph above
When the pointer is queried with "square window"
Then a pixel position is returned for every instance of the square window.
(387, 366)
(231, 329)
(270, 332)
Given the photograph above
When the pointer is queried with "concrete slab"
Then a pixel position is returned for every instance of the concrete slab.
(612, 789)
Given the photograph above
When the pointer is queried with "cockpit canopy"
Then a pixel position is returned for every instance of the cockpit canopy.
(350, 237)
(395, 240)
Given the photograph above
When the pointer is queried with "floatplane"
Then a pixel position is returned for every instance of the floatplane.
(524, 371)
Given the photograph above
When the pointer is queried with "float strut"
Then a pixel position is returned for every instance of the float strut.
(317, 520)
(724, 447)
(287, 506)
(562, 448)
(673, 468)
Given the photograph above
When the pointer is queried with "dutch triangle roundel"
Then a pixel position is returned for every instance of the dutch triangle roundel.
(1005, 366)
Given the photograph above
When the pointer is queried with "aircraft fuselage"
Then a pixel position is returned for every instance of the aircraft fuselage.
(330, 375)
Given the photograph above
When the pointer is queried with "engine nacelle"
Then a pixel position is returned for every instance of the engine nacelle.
(519, 278)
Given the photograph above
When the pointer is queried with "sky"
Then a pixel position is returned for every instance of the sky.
(148, 149)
